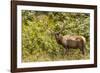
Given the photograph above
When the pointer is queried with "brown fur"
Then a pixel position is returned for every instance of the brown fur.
(68, 41)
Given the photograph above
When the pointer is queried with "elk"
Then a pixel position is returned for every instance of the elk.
(71, 41)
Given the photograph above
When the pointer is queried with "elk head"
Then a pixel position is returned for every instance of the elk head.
(58, 34)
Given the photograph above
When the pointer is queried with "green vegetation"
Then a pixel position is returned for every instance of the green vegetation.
(39, 44)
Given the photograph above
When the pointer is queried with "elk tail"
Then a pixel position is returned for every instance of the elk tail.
(83, 45)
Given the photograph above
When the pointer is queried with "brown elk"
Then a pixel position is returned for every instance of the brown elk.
(71, 41)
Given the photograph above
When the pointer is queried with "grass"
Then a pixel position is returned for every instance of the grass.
(71, 54)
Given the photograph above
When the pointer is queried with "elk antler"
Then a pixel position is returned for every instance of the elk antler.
(62, 27)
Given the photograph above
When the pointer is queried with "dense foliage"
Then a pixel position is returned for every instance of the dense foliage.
(38, 42)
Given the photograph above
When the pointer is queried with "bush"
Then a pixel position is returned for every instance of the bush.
(39, 44)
